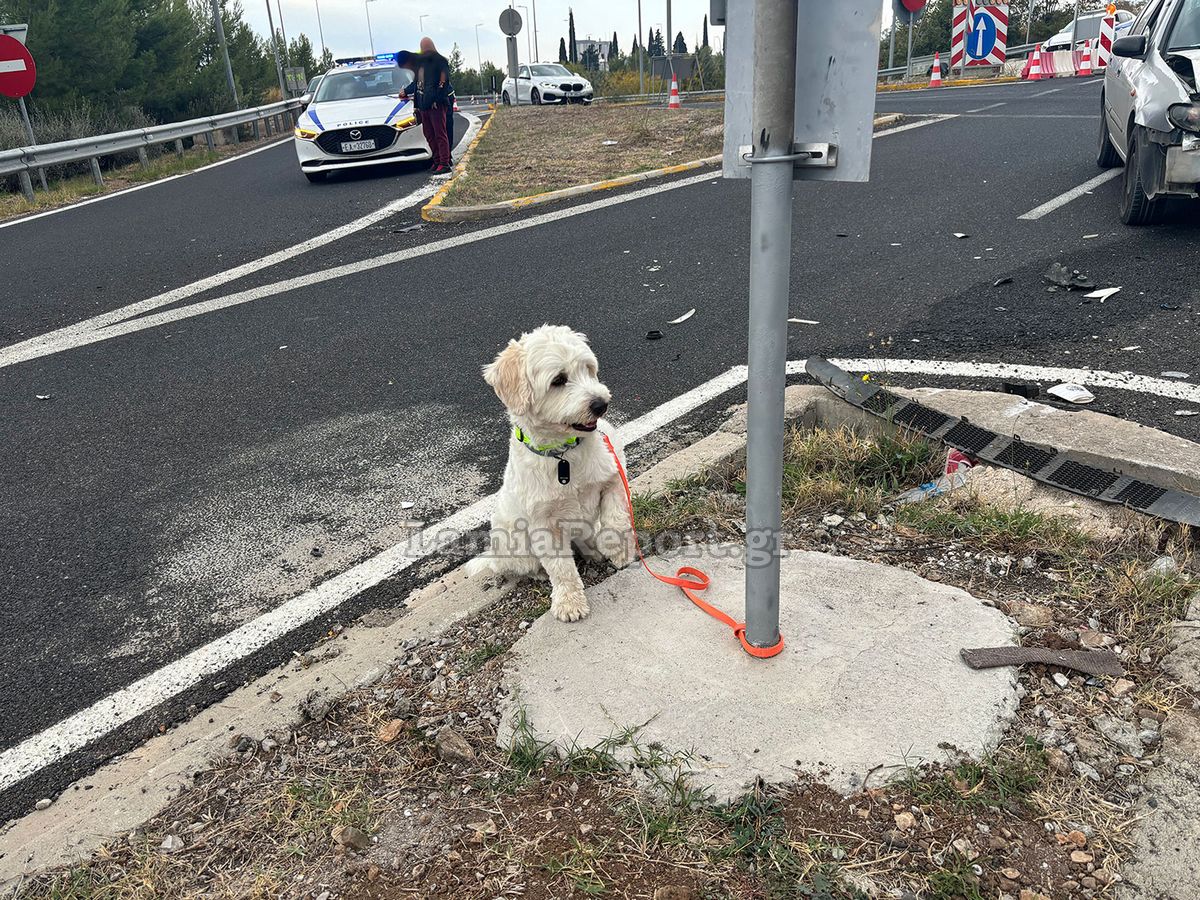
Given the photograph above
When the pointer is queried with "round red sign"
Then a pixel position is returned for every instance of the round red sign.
(913, 6)
(17, 71)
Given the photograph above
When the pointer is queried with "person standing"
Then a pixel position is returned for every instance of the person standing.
(432, 95)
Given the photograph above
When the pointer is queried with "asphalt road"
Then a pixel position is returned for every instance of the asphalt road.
(187, 476)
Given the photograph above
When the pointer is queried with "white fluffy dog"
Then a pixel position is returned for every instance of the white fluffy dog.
(561, 489)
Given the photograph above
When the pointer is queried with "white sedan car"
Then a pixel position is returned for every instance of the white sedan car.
(356, 118)
(546, 83)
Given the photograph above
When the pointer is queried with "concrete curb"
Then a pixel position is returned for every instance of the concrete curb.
(435, 212)
(460, 169)
(956, 83)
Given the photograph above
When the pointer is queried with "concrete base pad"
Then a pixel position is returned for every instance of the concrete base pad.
(870, 679)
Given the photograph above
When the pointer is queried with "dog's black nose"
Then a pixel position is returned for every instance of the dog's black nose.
(599, 407)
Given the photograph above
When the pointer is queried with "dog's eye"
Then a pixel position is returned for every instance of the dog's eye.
(559, 380)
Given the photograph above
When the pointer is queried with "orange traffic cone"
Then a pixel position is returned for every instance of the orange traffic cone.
(935, 75)
(1035, 67)
(1085, 64)
(674, 101)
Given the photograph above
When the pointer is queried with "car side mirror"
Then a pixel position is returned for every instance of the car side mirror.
(1132, 46)
(305, 99)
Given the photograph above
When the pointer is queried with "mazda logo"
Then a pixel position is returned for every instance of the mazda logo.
(355, 134)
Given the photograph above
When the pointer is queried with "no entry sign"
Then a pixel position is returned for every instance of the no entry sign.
(17, 71)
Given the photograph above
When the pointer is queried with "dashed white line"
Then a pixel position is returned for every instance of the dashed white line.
(989, 106)
(1044, 93)
(1073, 194)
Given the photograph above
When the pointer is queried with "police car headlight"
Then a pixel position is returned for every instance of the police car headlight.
(404, 124)
(306, 134)
(1185, 116)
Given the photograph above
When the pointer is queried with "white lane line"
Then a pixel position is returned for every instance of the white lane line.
(989, 106)
(1125, 381)
(120, 322)
(1023, 116)
(141, 187)
(1095, 80)
(1073, 194)
(121, 707)
(1044, 93)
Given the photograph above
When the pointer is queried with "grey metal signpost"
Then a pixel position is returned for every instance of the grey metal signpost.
(799, 104)
(510, 25)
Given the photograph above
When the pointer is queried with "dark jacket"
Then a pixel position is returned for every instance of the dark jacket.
(431, 87)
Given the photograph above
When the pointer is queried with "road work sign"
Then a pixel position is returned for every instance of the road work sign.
(17, 71)
(980, 35)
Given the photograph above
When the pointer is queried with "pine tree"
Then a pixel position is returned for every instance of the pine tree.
(704, 39)
(562, 50)
(572, 49)
(614, 51)
(650, 42)
(680, 44)
(660, 47)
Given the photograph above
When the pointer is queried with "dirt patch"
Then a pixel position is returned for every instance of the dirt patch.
(532, 150)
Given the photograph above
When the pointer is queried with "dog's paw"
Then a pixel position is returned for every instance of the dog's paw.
(569, 606)
(624, 554)
(480, 565)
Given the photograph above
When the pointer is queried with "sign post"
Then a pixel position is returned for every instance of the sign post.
(18, 75)
(799, 104)
(510, 25)
(907, 12)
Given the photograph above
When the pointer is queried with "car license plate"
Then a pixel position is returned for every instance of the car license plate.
(355, 146)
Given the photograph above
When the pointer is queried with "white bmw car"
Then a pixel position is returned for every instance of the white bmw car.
(356, 118)
(546, 83)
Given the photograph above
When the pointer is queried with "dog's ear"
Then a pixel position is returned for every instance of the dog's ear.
(506, 375)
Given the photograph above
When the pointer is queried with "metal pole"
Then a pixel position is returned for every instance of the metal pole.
(1075, 26)
(892, 47)
(670, 42)
(478, 53)
(641, 54)
(421, 22)
(770, 276)
(320, 29)
(29, 134)
(537, 54)
(287, 60)
(1029, 21)
(283, 92)
(370, 33)
(216, 8)
(528, 37)
(908, 60)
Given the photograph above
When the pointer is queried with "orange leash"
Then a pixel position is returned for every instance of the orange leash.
(689, 579)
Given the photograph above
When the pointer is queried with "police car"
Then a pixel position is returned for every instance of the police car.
(356, 118)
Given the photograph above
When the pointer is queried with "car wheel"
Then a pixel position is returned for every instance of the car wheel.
(505, 99)
(1137, 208)
(314, 177)
(1108, 157)
(535, 98)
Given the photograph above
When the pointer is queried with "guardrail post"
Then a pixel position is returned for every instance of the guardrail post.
(257, 131)
(234, 137)
(142, 157)
(179, 146)
(26, 185)
(208, 139)
(270, 127)
(96, 176)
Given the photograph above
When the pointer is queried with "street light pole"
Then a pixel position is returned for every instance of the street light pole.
(287, 60)
(478, 53)
(1029, 21)
(670, 42)
(220, 27)
(321, 30)
(537, 54)
(370, 33)
(275, 51)
(528, 39)
(771, 172)
(641, 54)
(421, 22)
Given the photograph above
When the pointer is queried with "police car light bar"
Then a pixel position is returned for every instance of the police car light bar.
(378, 57)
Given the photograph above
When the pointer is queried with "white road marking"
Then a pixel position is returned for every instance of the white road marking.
(1095, 80)
(989, 106)
(1073, 194)
(141, 187)
(121, 707)
(1022, 116)
(1044, 93)
(62, 338)
(121, 322)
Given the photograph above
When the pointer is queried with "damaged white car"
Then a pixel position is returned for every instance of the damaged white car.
(1150, 109)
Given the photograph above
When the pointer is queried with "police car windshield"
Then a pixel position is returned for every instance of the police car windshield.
(357, 85)
(550, 71)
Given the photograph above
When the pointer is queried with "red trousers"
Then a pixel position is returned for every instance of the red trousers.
(433, 125)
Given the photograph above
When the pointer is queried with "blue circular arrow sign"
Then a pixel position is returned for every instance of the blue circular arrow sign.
(982, 39)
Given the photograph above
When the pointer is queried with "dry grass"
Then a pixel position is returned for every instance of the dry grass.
(532, 150)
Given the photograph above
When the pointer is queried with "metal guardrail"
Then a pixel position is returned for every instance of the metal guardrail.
(24, 160)
(921, 63)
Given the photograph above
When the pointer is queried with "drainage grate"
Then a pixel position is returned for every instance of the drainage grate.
(1024, 457)
(1081, 478)
(920, 418)
(881, 401)
(968, 438)
(1139, 495)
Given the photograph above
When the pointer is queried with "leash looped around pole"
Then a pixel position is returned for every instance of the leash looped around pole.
(689, 579)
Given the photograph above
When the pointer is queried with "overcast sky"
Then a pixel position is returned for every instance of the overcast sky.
(395, 23)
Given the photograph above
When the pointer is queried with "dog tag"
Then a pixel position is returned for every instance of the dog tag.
(564, 472)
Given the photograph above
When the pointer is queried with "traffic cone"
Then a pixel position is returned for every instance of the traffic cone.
(1035, 67)
(456, 109)
(935, 76)
(1085, 64)
(674, 101)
